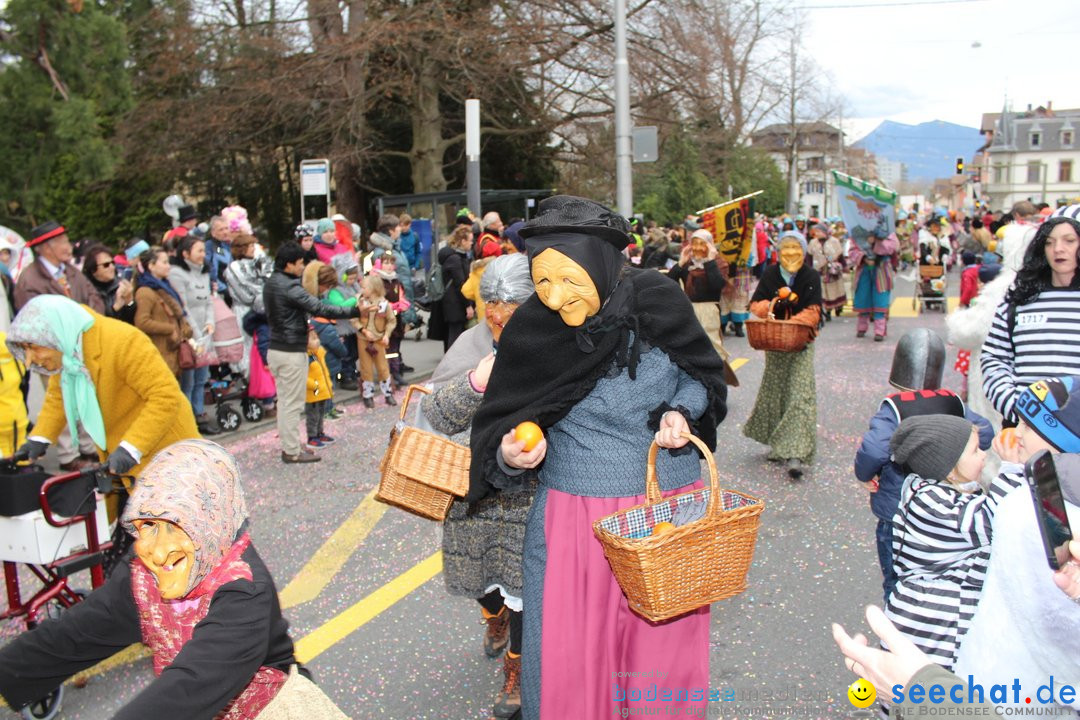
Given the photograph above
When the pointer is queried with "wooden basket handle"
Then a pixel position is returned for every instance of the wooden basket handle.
(652, 485)
(408, 397)
(772, 308)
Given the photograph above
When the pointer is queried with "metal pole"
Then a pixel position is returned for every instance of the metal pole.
(472, 156)
(624, 189)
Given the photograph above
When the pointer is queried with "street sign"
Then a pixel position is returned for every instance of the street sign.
(644, 142)
(314, 185)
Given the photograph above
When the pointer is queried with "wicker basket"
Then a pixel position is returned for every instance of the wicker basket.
(422, 472)
(777, 335)
(691, 566)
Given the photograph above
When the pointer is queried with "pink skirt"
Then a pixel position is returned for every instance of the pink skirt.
(597, 655)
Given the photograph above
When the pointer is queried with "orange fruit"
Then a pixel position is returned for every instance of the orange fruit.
(1008, 437)
(794, 297)
(662, 527)
(529, 433)
(784, 292)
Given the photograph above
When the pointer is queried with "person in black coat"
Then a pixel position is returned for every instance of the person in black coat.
(454, 260)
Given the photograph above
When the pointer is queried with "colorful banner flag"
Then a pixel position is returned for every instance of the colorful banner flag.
(731, 225)
(868, 210)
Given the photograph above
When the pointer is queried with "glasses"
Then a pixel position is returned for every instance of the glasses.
(108, 263)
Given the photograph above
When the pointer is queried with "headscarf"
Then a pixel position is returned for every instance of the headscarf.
(57, 322)
(194, 484)
(546, 366)
(787, 237)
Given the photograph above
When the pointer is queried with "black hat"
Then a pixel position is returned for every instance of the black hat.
(187, 212)
(570, 214)
(45, 231)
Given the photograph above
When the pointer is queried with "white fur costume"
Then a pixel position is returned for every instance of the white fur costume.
(969, 327)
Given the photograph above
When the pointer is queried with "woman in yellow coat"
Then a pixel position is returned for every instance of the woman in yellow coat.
(107, 376)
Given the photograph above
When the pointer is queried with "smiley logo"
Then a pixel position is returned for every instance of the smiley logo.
(861, 693)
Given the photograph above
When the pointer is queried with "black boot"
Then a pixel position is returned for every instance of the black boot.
(738, 330)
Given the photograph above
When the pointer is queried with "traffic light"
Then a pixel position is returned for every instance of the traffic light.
(959, 166)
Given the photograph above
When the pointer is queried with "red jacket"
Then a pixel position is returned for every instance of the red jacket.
(969, 285)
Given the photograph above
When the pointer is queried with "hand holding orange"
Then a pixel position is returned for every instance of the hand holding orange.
(529, 433)
(1008, 437)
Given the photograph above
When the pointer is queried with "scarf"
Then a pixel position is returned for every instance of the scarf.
(148, 280)
(57, 322)
(545, 367)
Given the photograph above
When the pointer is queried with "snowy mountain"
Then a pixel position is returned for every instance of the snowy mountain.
(928, 149)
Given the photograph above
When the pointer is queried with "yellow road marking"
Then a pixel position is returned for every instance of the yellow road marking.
(334, 553)
(342, 625)
(901, 307)
(738, 363)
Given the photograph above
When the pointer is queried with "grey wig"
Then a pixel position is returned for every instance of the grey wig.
(507, 279)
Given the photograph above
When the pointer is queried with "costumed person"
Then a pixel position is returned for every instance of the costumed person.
(934, 248)
(942, 532)
(377, 323)
(197, 594)
(828, 255)
(917, 368)
(785, 412)
(606, 359)
(873, 283)
(968, 328)
(482, 541)
(1033, 332)
(702, 271)
(735, 297)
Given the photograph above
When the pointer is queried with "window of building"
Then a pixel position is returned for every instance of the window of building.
(1067, 138)
(1036, 139)
(815, 186)
(815, 163)
(1065, 171)
(1034, 171)
(1001, 173)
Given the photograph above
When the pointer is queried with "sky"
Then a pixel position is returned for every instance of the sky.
(912, 61)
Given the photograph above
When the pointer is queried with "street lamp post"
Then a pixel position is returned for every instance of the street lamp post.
(624, 190)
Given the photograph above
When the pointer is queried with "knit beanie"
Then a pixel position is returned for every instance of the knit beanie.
(325, 225)
(1051, 408)
(930, 445)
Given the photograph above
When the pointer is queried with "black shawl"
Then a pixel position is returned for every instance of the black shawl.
(806, 284)
(544, 367)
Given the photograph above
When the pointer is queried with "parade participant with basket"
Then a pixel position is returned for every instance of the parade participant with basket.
(482, 541)
(606, 359)
(788, 299)
(197, 594)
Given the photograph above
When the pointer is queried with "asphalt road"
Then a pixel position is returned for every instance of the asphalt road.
(367, 604)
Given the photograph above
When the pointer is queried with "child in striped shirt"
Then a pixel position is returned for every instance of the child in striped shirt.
(941, 531)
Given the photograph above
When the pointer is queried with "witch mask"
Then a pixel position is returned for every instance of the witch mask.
(565, 287)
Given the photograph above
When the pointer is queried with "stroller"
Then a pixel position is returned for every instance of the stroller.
(930, 288)
(54, 526)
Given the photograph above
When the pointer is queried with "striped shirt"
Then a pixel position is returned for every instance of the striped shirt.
(941, 549)
(1045, 343)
